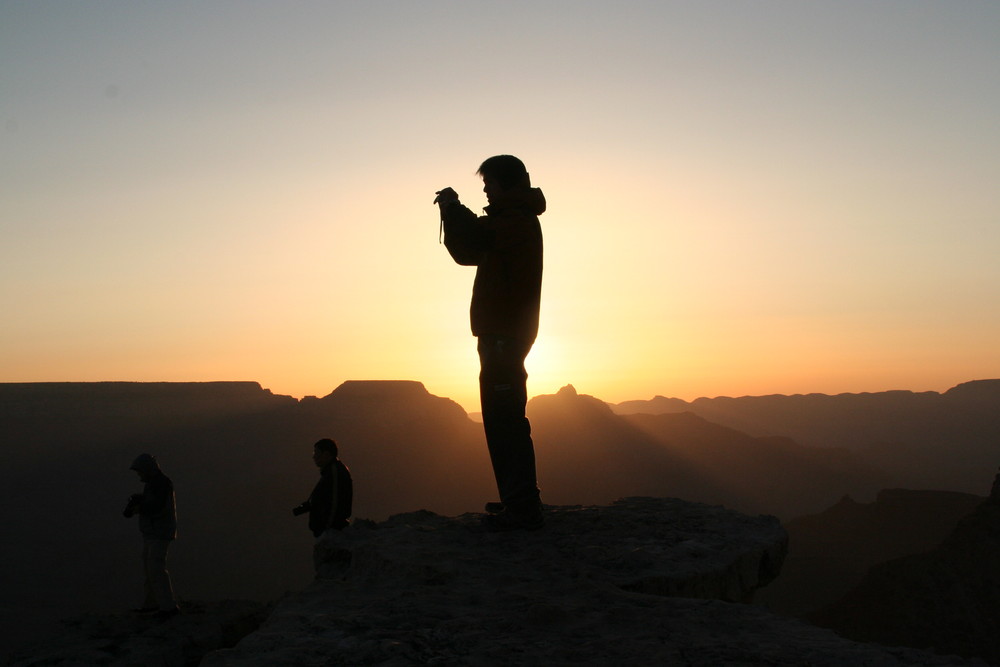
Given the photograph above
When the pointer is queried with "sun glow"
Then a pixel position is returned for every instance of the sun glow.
(548, 367)
(267, 215)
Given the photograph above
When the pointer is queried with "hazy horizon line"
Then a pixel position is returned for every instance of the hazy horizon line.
(304, 396)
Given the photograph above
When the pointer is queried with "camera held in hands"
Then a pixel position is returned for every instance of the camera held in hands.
(132, 505)
(445, 196)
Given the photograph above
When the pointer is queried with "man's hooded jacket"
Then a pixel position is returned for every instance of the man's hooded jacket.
(329, 504)
(157, 508)
(506, 246)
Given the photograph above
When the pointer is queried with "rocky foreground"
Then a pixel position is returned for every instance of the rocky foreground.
(596, 586)
(139, 640)
(648, 581)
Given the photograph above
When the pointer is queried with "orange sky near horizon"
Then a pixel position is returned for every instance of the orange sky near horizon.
(744, 198)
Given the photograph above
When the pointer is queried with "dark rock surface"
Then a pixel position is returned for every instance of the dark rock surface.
(829, 553)
(141, 640)
(947, 599)
(663, 546)
(591, 588)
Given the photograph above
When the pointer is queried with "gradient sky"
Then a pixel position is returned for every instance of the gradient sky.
(744, 197)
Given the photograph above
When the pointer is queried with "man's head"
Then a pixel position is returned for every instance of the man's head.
(501, 173)
(324, 452)
(145, 465)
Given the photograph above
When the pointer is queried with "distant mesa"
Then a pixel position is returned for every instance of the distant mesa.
(657, 405)
(976, 389)
(926, 439)
(367, 389)
(587, 453)
(391, 399)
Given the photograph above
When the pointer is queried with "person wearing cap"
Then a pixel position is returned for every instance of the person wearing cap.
(157, 510)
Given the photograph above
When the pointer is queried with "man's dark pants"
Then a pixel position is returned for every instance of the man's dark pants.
(503, 396)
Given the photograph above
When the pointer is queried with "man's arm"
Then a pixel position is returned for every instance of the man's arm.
(466, 236)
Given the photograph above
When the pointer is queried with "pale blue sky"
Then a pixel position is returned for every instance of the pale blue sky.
(745, 197)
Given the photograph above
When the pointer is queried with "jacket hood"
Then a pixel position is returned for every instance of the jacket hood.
(145, 464)
(530, 200)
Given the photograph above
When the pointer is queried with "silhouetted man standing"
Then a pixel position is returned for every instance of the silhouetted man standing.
(157, 512)
(329, 504)
(506, 247)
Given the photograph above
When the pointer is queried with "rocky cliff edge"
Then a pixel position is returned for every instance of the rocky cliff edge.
(596, 586)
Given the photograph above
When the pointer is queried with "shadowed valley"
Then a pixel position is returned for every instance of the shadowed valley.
(239, 457)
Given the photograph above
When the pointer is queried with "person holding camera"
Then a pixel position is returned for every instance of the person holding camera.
(329, 504)
(157, 510)
(506, 247)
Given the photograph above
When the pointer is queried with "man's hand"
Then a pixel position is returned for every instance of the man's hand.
(133, 504)
(445, 197)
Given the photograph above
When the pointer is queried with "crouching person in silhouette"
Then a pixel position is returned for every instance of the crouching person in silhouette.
(329, 504)
(505, 246)
(157, 512)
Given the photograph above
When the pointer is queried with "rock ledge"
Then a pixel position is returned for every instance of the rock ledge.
(588, 589)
